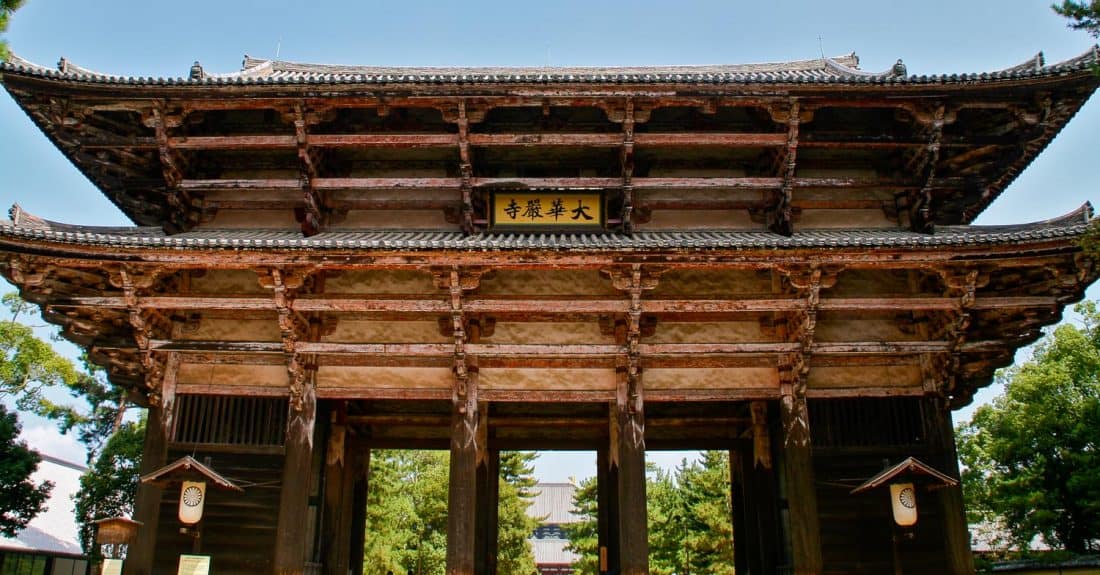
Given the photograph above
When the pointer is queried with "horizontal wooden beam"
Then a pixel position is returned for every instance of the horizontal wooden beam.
(420, 304)
(390, 140)
(553, 350)
(640, 183)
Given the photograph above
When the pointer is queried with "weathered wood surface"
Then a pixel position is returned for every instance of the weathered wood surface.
(291, 543)
(147, 503)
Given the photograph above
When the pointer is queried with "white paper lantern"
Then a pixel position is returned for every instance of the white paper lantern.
(904, 501)
(192, 499)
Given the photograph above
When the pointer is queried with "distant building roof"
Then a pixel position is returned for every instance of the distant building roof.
(553, 504)
(54, 530)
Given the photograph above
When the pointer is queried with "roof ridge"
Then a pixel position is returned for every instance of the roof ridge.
(848, 61)
(840, 70)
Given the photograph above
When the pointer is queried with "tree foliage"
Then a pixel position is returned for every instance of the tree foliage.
(20, 498)
(689, 517)
(407, 513)
(7, 7)
(1032, 456)
(30, 367)
(108, 488)
(1083, 15)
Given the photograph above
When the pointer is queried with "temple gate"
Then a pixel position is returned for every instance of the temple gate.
(775, 260)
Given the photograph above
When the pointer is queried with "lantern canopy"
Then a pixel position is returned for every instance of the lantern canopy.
(187, 469)
(903, 480)
(192, 478)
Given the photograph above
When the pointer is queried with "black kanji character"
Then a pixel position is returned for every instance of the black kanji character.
(513, 209)
(557, 209)
(580, 211)
(533, 210)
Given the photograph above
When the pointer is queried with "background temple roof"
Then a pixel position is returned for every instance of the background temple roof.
(843, 69)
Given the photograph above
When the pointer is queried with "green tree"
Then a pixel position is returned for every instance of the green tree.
(7, 7)
(108, 488)
(30, 367)
(1083, 15)
(704, 487)
(20, 498)
(584, 534)
(407, 513)
(1032, 456)
(688, 513)
(665, 515)
(514, 525)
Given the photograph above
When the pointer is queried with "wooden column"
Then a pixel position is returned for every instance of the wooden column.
(488, 512)
(290, 540)
(805, 528)
(739, 496)
(607, 512)
(462, 492)
(941, 432)
(628, 455)
(336, 514)
(360, 484)
(154, 455)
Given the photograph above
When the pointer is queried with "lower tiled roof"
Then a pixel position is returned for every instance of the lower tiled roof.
(1069, 226)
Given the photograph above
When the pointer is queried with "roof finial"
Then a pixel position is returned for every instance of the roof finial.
(196, 71)
(899, 69)
(63, 65)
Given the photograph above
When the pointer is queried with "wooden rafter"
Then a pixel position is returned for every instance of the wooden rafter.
(313, 210)
(923, 163)
(465, 169)
(626, 157)
(780, 215)
(172, 168)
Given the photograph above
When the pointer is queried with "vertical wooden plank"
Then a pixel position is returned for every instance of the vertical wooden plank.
(159, 424)
(360, 486)
(290, 540)
(607, 512)
(488, 512)
(941, 435)
(633, 527)
(462, 489)
(739, 518)
(334, 541)
(805, 528)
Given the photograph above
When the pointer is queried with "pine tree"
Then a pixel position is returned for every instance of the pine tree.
(108, 488)
(7, 7)
(20, 498)
(704, 487)
(583, 535)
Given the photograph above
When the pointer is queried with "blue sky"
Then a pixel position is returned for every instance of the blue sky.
(144, 38)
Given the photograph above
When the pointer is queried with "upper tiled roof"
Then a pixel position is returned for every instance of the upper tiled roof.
(553, 504)
(841, 70)
(25, 228)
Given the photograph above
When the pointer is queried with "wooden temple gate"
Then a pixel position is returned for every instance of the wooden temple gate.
(773, 260)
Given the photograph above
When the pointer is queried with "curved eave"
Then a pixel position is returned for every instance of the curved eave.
(1081, 64)
(41, 234)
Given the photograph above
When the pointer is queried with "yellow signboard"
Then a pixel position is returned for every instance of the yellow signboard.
(194, 565)
(111, 567)
(549, 209)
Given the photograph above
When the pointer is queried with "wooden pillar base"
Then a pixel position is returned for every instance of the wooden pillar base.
(607, 512)
(805, 528)
(139, 560)
(956, 533)
(462, 491)
(290, 540)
